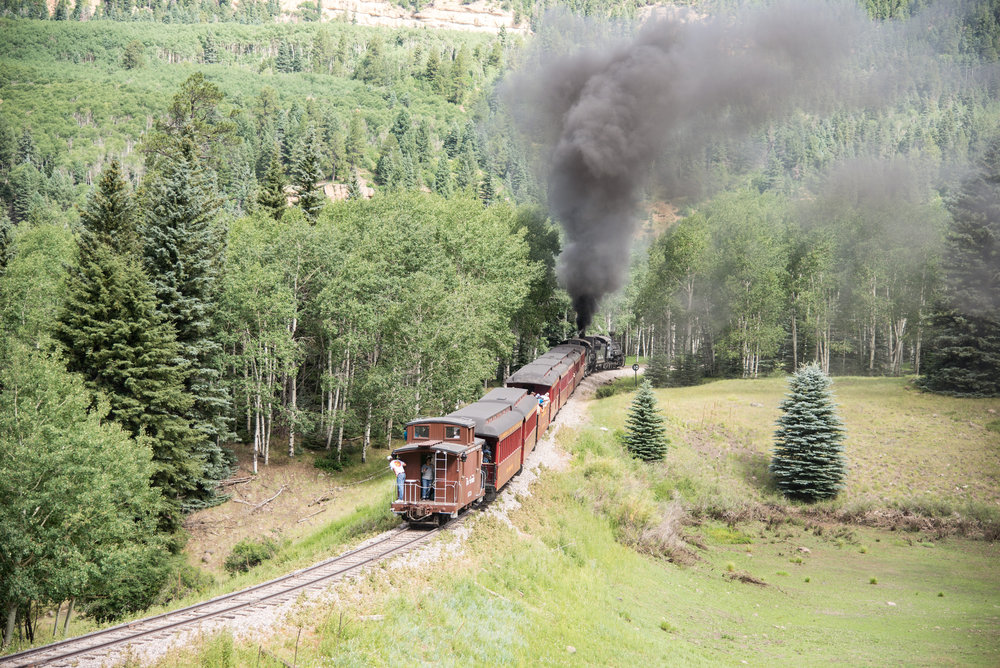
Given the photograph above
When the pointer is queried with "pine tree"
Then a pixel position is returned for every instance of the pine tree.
(307, 172)
(466, 175)
(487, 191)
(27, 150)
(687, 370)
(210, 52)
(354, 187)
(271, 196)
(123, 347)
(658, 370)
(442, 178)
(283, 63)
(645, 436)
(6, 232)
(965, 354)
(182, 249)
(808, 461)
(111, 215)
(388, 170)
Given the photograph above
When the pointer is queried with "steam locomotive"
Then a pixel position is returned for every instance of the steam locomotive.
(604, 352)
(474, 451)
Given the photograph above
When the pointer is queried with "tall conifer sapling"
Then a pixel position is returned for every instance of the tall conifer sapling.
(808, 461)
(645, 436)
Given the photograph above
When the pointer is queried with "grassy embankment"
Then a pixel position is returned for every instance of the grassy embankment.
(353, 513)
(582, 575)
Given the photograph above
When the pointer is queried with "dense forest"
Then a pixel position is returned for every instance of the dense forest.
(225, 225)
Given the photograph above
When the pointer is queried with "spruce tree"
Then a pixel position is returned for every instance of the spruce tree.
(808, 461)
(354, 187)
(182, 248)
(687, 370)
(123, 347)
(487, 190)
(111, 215)
(27, 150)
(6, 234)
(658, 370)
(307, 172)
(271, 196)
(964, 357)
(442, 178)
(645, 436)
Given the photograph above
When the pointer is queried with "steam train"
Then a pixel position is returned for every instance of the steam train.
(474, 451)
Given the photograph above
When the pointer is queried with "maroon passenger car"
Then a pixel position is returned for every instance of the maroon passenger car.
(477, 449)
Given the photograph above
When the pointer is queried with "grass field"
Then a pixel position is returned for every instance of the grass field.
(907, 450)
(583, 575)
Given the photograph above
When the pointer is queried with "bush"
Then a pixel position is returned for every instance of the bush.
(186, 579)
(605, 391)
(329, 463)
(249, 553)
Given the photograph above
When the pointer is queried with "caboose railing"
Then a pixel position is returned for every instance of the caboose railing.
(445, 491)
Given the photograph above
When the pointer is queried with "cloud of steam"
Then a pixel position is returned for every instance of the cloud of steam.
(615, 114)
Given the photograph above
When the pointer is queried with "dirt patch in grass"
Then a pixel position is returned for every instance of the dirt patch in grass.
(743, 576)
(302, 498)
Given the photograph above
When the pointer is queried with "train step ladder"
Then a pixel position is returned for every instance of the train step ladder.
(440, 476)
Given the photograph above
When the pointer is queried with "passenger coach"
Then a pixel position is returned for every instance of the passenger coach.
(477, 449)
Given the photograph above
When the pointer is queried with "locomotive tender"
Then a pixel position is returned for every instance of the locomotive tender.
(477, 449)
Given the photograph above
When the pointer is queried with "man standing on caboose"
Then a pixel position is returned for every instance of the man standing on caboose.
(399, 468)
(426, 478)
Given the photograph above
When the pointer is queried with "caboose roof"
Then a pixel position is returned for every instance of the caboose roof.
(447, 419)
(439, 446)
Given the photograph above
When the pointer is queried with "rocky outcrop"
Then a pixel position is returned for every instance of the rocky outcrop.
(481, 16)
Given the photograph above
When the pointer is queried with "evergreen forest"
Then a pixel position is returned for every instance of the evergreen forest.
(238, 227)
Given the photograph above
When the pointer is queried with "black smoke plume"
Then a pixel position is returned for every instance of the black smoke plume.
(617, 115)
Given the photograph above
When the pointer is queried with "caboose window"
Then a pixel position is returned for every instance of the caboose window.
(454, 433)
(421, 431)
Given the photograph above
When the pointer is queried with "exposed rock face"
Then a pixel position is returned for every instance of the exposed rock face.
(481, 15)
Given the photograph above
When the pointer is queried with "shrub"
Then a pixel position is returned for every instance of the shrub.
(186, 579)
(329, 463)
(605, 391)
(249, 553)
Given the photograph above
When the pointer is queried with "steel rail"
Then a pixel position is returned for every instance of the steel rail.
(37, 656)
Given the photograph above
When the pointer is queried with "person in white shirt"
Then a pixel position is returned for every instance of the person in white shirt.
(399, 468)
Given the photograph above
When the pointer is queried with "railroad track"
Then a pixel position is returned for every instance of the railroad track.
(99, 645)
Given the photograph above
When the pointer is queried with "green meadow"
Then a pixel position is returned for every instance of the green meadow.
(614, 562)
